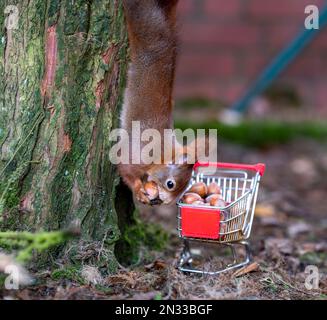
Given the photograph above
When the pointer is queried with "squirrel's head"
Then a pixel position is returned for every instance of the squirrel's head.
(171, 180)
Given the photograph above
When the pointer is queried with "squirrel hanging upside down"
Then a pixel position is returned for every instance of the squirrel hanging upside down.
(148, 97)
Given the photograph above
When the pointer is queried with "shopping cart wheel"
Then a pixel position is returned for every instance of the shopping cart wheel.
(185, 259)
(186, 256)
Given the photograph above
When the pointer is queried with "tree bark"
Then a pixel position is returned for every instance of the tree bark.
(62, 74)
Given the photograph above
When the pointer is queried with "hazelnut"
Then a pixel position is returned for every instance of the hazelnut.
(151, 189)
(190, 197)
(212, 198)
(213, 188)
(218, 203)
(198, 203)
(200, 188)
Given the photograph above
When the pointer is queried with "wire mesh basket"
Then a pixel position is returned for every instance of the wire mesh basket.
(228, 224)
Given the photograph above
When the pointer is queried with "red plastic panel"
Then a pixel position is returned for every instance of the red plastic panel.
(200, 223)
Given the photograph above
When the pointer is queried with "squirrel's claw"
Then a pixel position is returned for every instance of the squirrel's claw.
(142, 196)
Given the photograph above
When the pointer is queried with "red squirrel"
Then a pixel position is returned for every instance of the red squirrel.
(151, 26)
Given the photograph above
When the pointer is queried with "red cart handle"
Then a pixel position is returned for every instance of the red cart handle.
(259, 167)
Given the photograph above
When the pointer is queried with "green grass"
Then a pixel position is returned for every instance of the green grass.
(262, 133)
(196, 102)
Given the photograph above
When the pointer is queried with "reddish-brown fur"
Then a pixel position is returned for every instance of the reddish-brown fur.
(148, 96)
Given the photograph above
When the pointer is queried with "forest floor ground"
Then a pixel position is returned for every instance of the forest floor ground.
(289, 233)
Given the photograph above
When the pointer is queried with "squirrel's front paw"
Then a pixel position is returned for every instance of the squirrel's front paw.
(147, 193)
(142, 196)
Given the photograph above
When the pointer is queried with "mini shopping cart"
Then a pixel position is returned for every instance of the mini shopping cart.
(229, 225)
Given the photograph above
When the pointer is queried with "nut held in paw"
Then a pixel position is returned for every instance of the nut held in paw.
(151, 189)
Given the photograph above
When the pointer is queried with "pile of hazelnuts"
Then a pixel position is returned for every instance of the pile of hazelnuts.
(202, 195)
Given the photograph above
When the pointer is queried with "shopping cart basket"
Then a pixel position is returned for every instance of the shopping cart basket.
(229, 225)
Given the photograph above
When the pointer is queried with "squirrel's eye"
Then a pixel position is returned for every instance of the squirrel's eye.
(170, 184)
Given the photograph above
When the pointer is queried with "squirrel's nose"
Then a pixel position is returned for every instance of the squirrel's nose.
(155, 201)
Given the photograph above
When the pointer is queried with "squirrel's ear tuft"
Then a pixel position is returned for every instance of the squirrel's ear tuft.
(145, 177)
(187, 159)
(190, 154)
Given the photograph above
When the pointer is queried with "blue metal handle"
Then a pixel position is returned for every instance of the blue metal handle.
(279, 63)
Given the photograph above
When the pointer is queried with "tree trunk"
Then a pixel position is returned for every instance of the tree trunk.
(62, 74)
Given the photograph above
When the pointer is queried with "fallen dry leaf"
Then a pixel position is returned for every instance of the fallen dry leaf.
(264, 210)
(127, 279)
(311, 247)
(247, 269)
(296, 228)
(156, 265)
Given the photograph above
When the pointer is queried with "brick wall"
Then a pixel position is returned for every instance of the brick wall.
(226, 43)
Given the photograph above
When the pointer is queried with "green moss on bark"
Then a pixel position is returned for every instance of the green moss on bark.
(61, 137)
(138, 239)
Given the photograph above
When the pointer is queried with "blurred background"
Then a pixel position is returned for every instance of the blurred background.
(226, 44)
